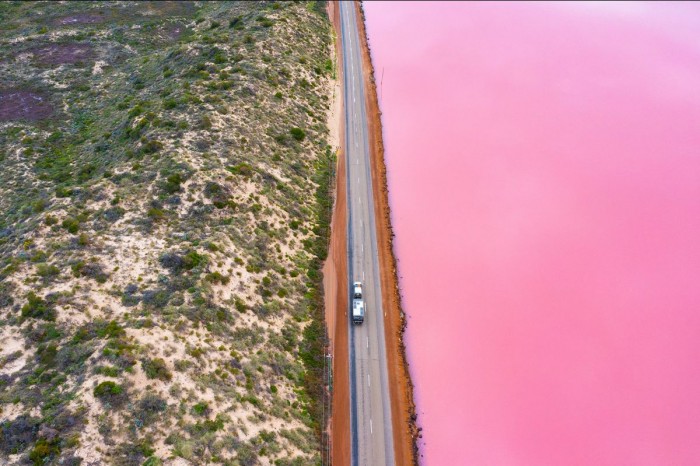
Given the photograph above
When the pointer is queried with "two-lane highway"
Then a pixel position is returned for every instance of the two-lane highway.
(370, 407)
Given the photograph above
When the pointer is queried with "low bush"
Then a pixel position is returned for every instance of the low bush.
(47, 271)
(43, 451)
(240, 305)
(71, 224)
(177, 263)
(156, 369)
(108, 371)
(91, 270)
(243, 169)
(157, 298)
(16, 435)
(114, 213)
(172, 183)
(37, 308)
(155, 213)
(201, 409)
(151, 146)
(297, 133)
(150, 406)
(109, 391)
(216, 277)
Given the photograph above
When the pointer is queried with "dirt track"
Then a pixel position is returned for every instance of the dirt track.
(402, 405)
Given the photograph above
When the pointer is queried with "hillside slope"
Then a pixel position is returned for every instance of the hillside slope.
(165, 182)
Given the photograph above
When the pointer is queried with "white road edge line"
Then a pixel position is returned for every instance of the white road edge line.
(370, 427)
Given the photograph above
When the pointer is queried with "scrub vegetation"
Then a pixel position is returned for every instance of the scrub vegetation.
(165, 198)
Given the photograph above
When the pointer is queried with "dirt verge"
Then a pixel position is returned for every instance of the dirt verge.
(402, 405)
(335, 284)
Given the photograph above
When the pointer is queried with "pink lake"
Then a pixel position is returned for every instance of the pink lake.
(544, 171)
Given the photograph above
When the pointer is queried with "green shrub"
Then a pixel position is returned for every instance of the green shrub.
(37, 308)
(181, 365)
(47, 271)
(172, 183)
(38, 256)
(83, 239)
(39, 206)
(193, 259)
(63, 192)
(216, 277)
(108, 371)
(71, 224)
(111, 330)
(46, 354)
(155, 213)
(219, 58)
(206, 426)
(43, 451)
(265, 22)
(240, 305)
(201, 408)
(108, 390)
(156, 369)
(243, 169)
(153, 461)
(90, 270)
(151, 146)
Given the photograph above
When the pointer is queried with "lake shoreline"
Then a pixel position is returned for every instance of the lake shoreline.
(406, 431)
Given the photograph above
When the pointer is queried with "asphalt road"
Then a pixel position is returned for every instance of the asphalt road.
(370, 407)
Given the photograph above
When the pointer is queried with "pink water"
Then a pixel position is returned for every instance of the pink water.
(544, 169)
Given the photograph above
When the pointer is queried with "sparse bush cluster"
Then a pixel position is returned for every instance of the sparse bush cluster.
(156, 369)
(38, 308)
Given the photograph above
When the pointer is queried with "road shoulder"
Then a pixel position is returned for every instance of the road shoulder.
(335, 273)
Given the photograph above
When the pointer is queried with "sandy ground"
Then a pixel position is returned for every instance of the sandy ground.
(335, 280)
(402, 405)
